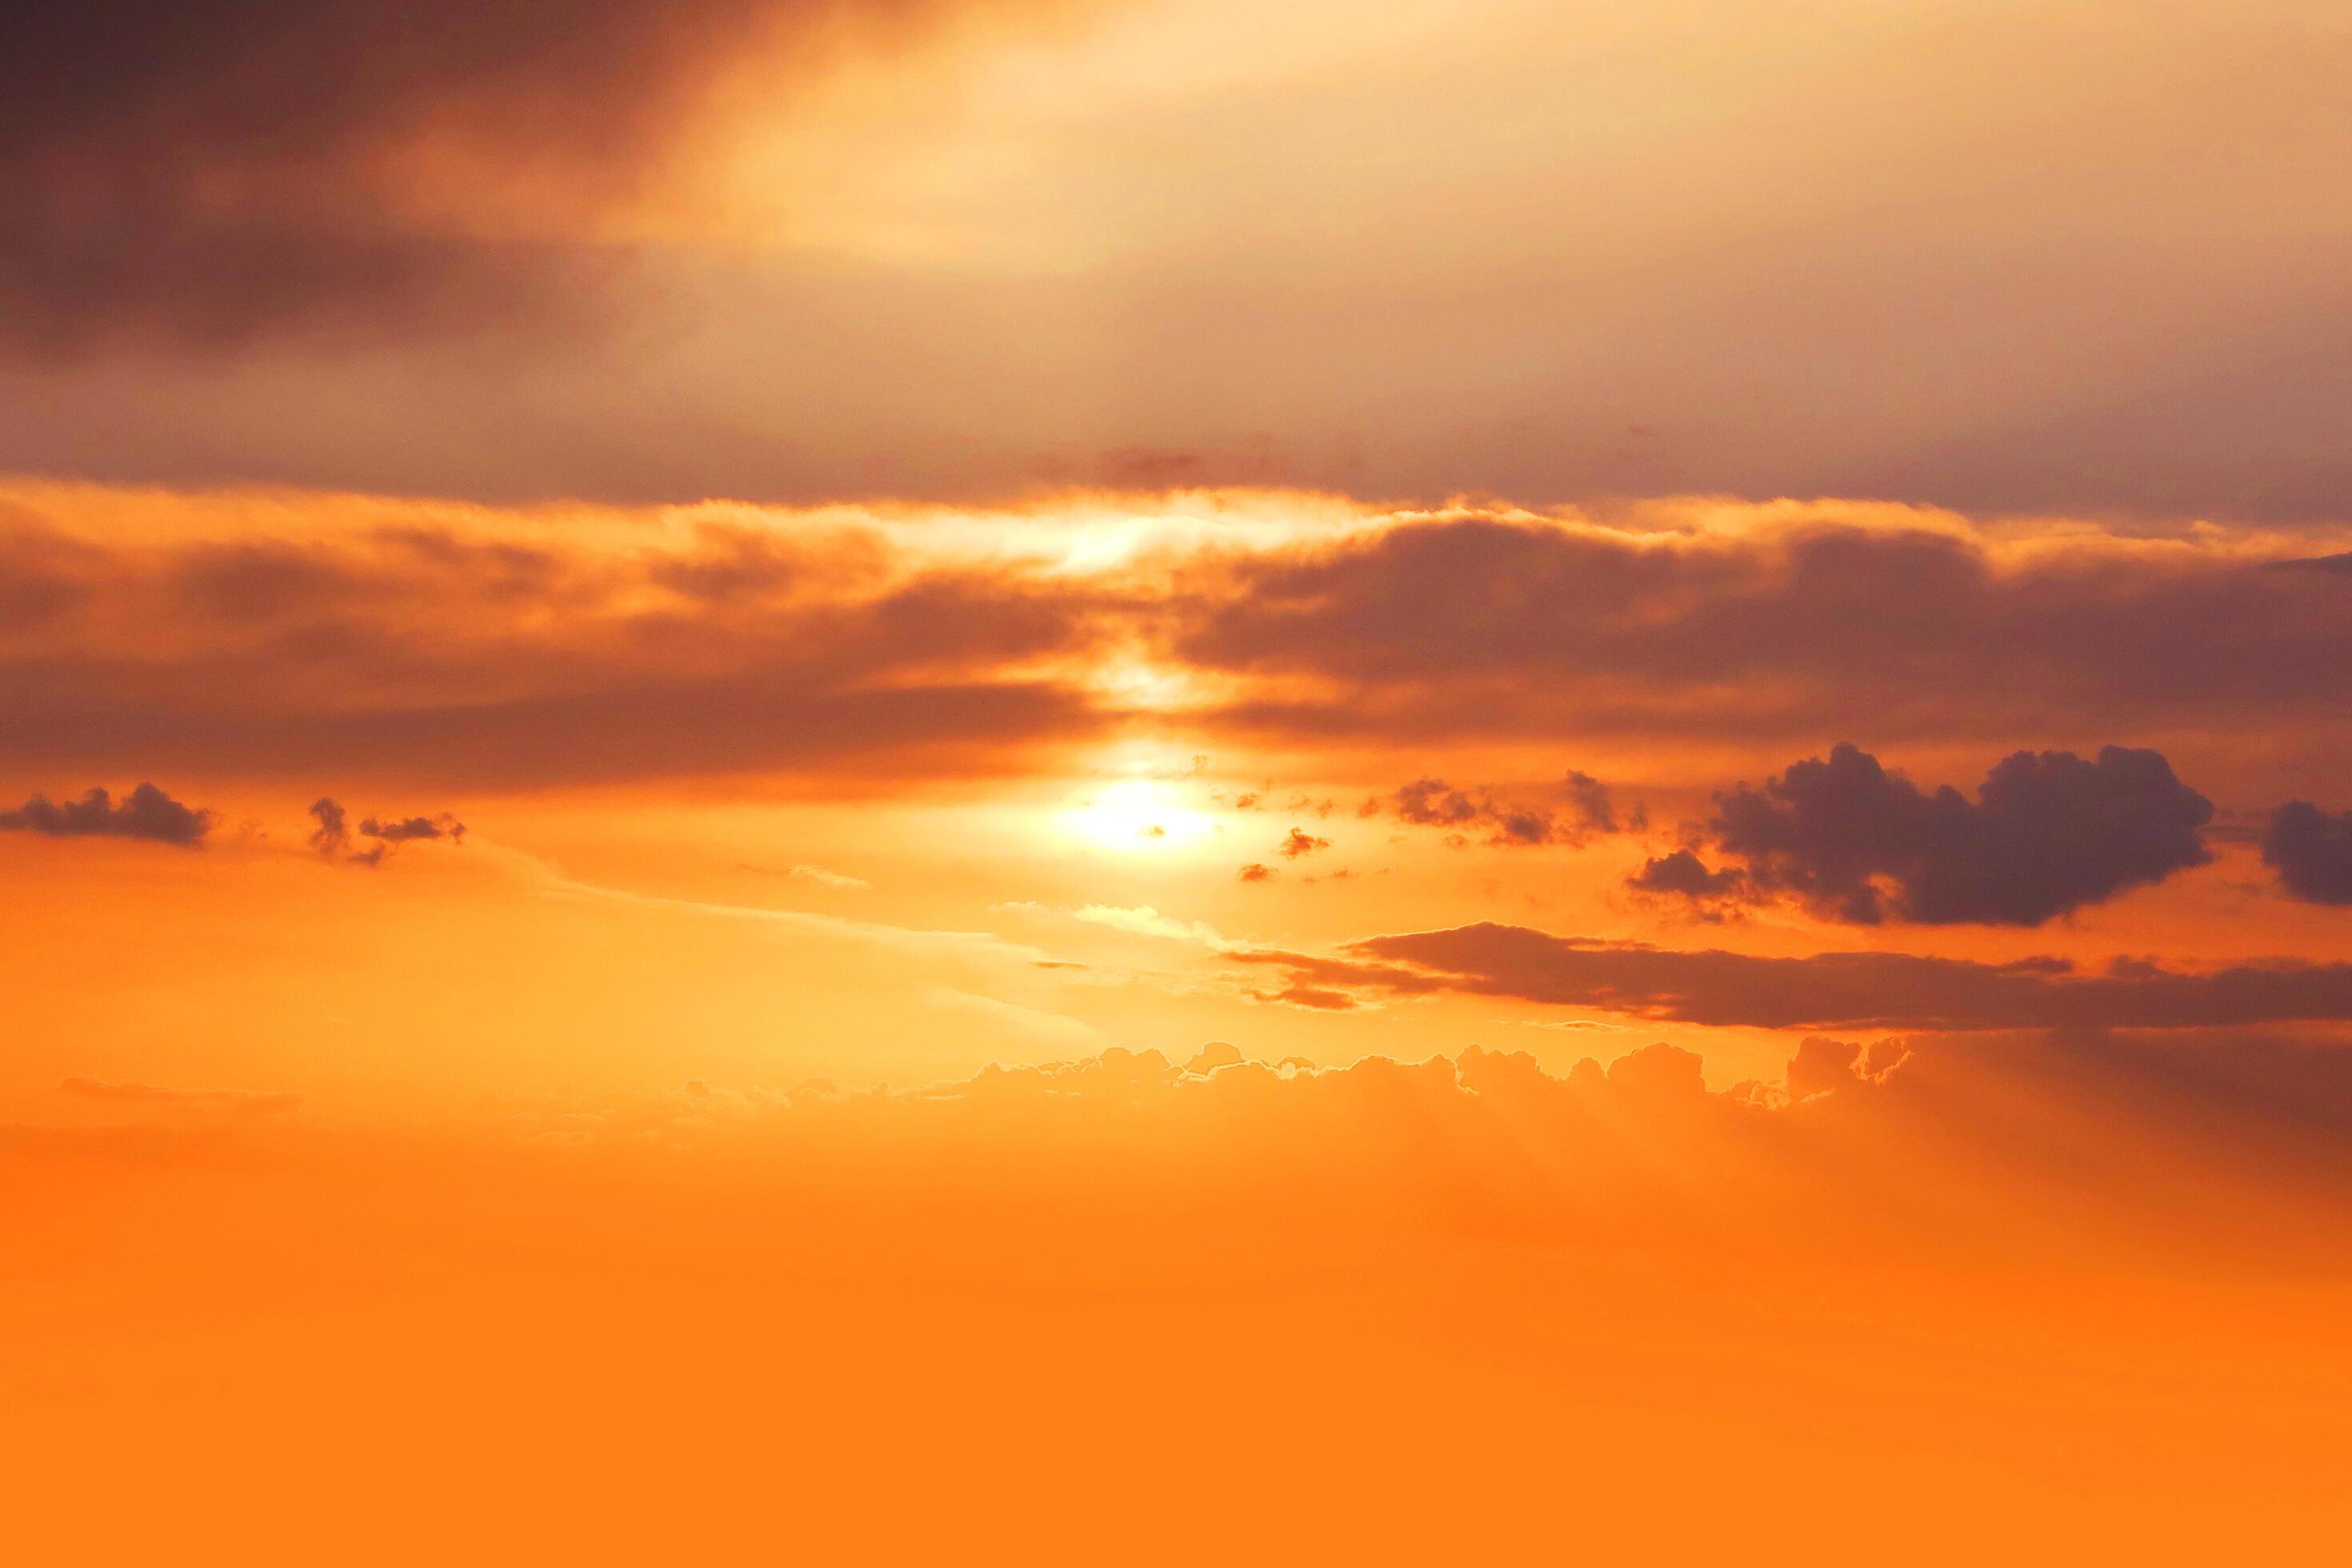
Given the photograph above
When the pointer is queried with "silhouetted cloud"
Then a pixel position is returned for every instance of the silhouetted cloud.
(334, 837)
(1683, 875)
(2311, 851)
(1573, 811)
(1300, 842)
(403, 644)
(146, 813)
(1801, 623)
(1823, 991)
(2047, 833)
(203, 174)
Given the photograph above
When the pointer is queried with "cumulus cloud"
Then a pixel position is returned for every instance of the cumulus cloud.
(1854, 842)
(1485, 1117)
(1300, 842)
(1683, 875)
(2311, 851)
(146, 813)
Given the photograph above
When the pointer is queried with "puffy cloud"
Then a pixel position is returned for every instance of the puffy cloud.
(1682, 874)
(1497, 1122)
(1825, 991)
(146, 813)
(2311, 851)
(2047, 834)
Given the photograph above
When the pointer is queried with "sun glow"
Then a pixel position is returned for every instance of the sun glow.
(1138, 814)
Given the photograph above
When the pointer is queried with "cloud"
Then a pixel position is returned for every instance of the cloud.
(1757, 624)
(1578, 809)
(1713, 893)
(815, 876)
(1854, 1124)
(2311, 851)
(433, 646)
(2047, 834)
(1825, 991)
(146, 813)
(437, 647)
(1256, 872)
(332, 837)
(1146, 920)
(1300, 842)
(205, 177)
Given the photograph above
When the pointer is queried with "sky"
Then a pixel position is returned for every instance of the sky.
(1387, 778)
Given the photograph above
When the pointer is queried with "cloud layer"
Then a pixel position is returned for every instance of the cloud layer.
(1874, 990)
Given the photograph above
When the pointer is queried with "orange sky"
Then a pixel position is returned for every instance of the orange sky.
(1553, 747)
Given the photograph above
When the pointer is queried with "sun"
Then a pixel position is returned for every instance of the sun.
(1140, 814)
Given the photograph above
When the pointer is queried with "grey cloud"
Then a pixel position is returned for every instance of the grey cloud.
(146, 813)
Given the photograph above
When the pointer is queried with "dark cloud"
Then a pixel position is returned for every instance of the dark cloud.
(146, 813)
(1576, 810)
(1683, 878)
(1683, 875)
(1829, 990)
(408, 829)
(1300, 842)
(440, 659)
(2311, 851)
(205, 172)
(1473, 625)
(2047, 833)
(334, 837)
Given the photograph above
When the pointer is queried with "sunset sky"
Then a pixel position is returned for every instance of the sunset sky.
(759, 757)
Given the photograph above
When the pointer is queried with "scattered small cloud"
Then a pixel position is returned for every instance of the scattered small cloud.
(334, 838)
(1300, 842)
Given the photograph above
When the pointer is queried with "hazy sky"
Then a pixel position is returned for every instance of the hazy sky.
(932, 699)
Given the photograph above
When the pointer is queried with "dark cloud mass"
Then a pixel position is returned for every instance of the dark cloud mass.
(2047, 834)
(2311, 851)
(203, 173)
(146, 813)
(1472, 624)
(1827, 990)
(412, 653)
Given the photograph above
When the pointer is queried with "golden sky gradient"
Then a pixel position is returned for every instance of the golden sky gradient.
(1117, 779)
